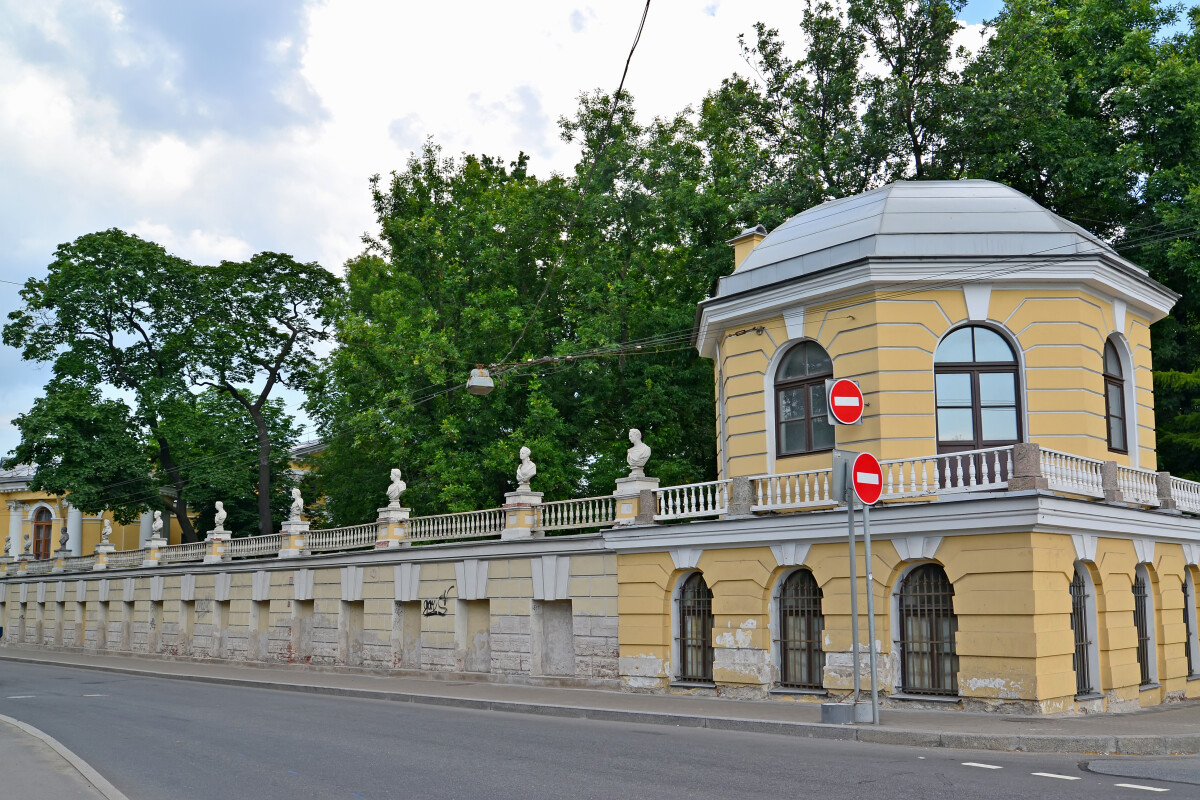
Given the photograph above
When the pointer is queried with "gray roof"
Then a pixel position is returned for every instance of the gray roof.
(971, 219)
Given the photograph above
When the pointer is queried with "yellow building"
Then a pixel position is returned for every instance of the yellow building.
(1027, 557)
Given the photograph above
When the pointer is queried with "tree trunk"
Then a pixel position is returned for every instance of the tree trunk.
(265, 523)
(179, 508)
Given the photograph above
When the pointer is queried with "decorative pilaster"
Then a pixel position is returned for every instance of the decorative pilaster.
(295, 539)
(393, 528)
(217, 541)
(630, 496)
(520, 514)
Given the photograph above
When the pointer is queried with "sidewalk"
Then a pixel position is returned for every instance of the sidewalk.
(1164, 730)
(37, 766)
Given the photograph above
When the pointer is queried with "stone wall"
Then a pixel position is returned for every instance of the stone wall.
(542, 610)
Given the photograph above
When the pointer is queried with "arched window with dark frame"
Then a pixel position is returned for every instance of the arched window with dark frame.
(801, 407)
(42, 526)
(928, 658)
(978, 391)
(801, 660)
(1082, 630)
(1114, 399)
(695, 630)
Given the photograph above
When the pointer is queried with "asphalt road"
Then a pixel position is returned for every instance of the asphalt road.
(182, 740)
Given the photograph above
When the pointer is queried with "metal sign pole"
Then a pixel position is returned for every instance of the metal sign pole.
(871, 615)
(853, 580)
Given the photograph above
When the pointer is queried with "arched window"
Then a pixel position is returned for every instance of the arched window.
(1192, 644)
(978, 391)
(800, 624)
(1114, 399)
(42, 526)
(1143, 621)
(928, 660)
(695, 630)
(801, 410)
(1082, 628)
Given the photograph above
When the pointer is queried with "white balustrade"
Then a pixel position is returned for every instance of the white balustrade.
(249, 546)
(1186, 494)
(73, 563)
(193, 551)
(348, 538)
(1138, 486)
(811, 489)
(968, 471)
(123, 559)
(589, 512)
(692, 500)
(465, 525)
(1072, 474)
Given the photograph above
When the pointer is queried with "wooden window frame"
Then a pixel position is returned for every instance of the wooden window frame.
(43, 532)
(975, 369)
(800, 383)
(1117, 382)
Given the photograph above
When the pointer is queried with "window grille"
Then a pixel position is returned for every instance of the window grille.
(929, 662)
(1083, 639)
(801, 660)
(1140, 621)
(695, 631)
(1189, 603)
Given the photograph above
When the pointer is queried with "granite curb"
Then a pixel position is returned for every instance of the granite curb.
(1090, 744)
(85, 770)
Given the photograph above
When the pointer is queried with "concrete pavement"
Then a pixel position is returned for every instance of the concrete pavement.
(1165, 730)
(36, 765)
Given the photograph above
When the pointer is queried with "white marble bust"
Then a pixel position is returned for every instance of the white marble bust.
(106, 532)
(637, 455)
(525, 471)
(220, 516)
(396, 489)
(156, 526)
(297, 506)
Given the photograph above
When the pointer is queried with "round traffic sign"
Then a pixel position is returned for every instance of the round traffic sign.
(846, 401)
(866, 475)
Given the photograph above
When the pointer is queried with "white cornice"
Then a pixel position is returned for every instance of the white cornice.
(1091, 272)
(1000, 512)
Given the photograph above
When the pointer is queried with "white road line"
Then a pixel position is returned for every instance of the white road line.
(1145, 788)
(95, 695)
(1052, 775)
(21, 696)
(981, 766)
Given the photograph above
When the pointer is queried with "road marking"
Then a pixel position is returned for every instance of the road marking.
(293, 772)
(95, 695)
(1052, 775)
(1145, 788)
(920, 758)
(21, 696)
(981, 766)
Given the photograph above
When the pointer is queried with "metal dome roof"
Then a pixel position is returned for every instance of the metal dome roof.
(969, 219)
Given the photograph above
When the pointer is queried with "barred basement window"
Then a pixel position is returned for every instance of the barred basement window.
(1189, 611)
(800, 623)
(1141, 616)
(928, 661)
(1083, 639)
(695, 631)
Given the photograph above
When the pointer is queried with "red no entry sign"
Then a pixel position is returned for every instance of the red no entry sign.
(866, 475)
(845, 401)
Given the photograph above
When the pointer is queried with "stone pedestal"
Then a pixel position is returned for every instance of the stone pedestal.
(60, 555)
(154, 548)
(295, 539)
(102, 552)
(520, 514)
(393, 528)
(217, 542)
(845, 713)
(629, 499)
(6, 564)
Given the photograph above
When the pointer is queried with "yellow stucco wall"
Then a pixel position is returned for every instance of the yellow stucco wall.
(1011, 599)
(887, 344)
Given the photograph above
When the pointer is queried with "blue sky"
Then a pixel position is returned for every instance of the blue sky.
(223, 128)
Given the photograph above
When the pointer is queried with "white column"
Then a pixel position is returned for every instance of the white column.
(147, 519)
(74, 531)
(15, 512)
